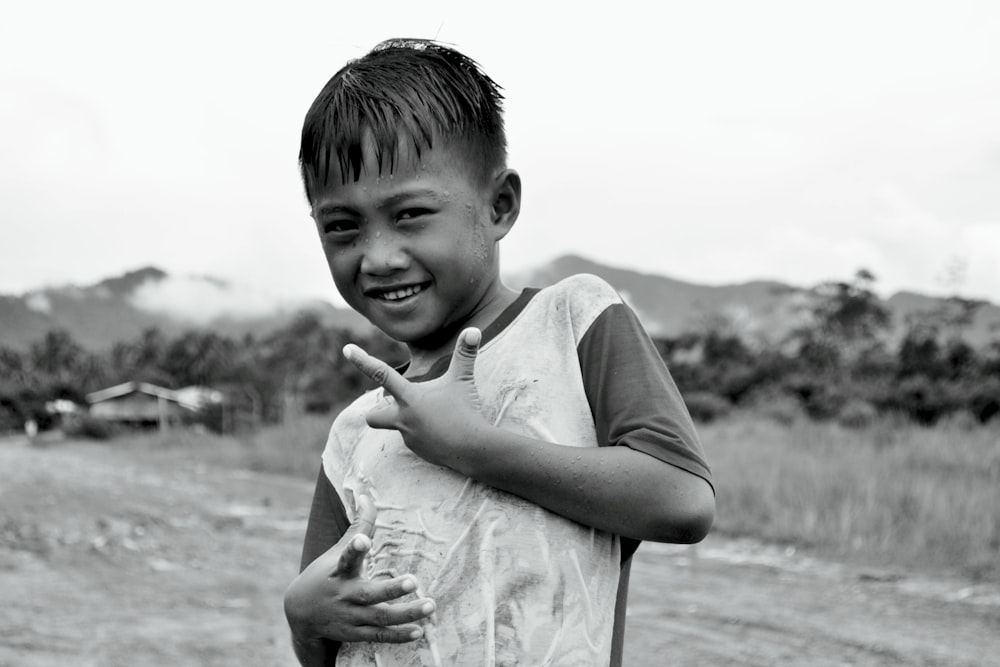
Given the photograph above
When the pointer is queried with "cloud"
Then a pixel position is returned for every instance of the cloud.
(921, 250)
(38, 302)
(200, 299)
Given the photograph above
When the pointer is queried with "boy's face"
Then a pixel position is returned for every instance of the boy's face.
(413, 251)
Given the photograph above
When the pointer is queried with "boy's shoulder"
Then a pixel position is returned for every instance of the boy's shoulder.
(584, 297)
(350, 421)
(584, 284)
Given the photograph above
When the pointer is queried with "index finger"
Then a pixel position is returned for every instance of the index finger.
(382, 373)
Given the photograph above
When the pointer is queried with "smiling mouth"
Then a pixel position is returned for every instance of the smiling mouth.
(398, 294)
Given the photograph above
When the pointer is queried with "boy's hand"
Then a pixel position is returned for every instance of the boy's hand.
(332, 599)
(437, 419)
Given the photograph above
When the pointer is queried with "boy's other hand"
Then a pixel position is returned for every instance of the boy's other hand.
(333, 599)
(438, 419)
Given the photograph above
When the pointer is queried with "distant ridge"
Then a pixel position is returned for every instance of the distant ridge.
(119, 308)
(129, 282)
(111, 310)
(761, 308)
(669, 307)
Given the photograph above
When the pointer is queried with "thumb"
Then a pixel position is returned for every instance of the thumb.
(358, 538)
(463, 360)
(385, 415)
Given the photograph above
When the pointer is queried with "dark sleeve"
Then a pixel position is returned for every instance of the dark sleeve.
(327, 521)
(632, 397)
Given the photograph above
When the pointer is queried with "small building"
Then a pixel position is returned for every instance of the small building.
(138, 405)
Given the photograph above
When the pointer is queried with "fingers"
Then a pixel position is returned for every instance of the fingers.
(353, 556)
(387, 617)
(359, 539)
(399, 634)
(365, 520)
(375, 618)
(380, 372)
(389, 622)
(369, 593)
(463, 360)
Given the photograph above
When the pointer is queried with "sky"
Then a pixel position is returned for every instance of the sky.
(714, 142)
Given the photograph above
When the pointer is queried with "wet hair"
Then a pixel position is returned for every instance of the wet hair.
(403, 90)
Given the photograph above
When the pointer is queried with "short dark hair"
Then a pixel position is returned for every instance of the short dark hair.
(403, 89)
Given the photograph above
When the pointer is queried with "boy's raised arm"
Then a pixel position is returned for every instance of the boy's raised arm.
(616, 489)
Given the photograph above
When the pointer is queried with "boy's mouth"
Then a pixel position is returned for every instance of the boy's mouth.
(395, 294)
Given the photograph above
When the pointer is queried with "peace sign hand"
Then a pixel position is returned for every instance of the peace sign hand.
(439, 419)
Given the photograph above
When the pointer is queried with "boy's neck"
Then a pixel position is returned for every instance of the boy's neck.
(423, 357)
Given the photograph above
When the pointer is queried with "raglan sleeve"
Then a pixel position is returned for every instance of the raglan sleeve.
(633, 399)
(328, 520)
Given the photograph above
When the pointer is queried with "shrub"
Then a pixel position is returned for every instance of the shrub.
(857, 413)
(821, 397)
(776, 406)
(85, 426)
(982, 399)
(706, 407)
(920, 397)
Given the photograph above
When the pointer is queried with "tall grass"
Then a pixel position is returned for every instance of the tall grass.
(889, 494)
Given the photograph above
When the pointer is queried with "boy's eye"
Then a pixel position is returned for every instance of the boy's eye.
(412, 213)
(339, 227)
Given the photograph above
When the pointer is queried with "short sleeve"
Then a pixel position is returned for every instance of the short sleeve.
(327, 521)
(632, 397)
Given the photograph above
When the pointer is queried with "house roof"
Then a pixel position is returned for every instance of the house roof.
(130, 388)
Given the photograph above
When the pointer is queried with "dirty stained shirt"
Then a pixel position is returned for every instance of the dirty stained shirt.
(514, 583)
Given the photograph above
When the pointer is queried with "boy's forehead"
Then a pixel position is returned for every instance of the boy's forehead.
(403, 163)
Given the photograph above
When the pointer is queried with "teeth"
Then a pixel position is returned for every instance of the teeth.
(398, 294)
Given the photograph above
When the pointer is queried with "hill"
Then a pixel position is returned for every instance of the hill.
(669, 307)
(761, 308)
(121, 307)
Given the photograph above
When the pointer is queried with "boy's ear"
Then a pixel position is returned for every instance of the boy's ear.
(506, 201)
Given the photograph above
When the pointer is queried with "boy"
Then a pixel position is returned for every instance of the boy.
(498, 486)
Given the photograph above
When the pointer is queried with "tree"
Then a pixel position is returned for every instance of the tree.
(57, 356)
(200, 358)
(850, 312)
(140, 360)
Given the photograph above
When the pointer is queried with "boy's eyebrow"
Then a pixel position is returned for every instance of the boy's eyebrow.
(403, 195)
(389, 202)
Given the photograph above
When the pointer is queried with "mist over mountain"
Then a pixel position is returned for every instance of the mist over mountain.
(121, 307)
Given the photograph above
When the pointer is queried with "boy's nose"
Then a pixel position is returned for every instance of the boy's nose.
(382, 256)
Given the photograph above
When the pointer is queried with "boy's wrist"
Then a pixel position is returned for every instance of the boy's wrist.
(315, 652)
(484, 448)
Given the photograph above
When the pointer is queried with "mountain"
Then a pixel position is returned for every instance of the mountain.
(761, 308)
(122, 307)
(668, 307)
(983, 328)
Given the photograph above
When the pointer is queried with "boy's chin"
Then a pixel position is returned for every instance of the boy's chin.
(416, 338)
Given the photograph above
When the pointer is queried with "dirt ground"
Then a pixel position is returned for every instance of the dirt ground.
(114, 558)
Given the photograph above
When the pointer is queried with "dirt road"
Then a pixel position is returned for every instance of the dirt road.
(110, 557)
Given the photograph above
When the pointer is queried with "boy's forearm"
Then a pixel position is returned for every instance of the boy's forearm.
(616, 489)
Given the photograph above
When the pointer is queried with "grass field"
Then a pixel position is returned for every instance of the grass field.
(891, 494)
